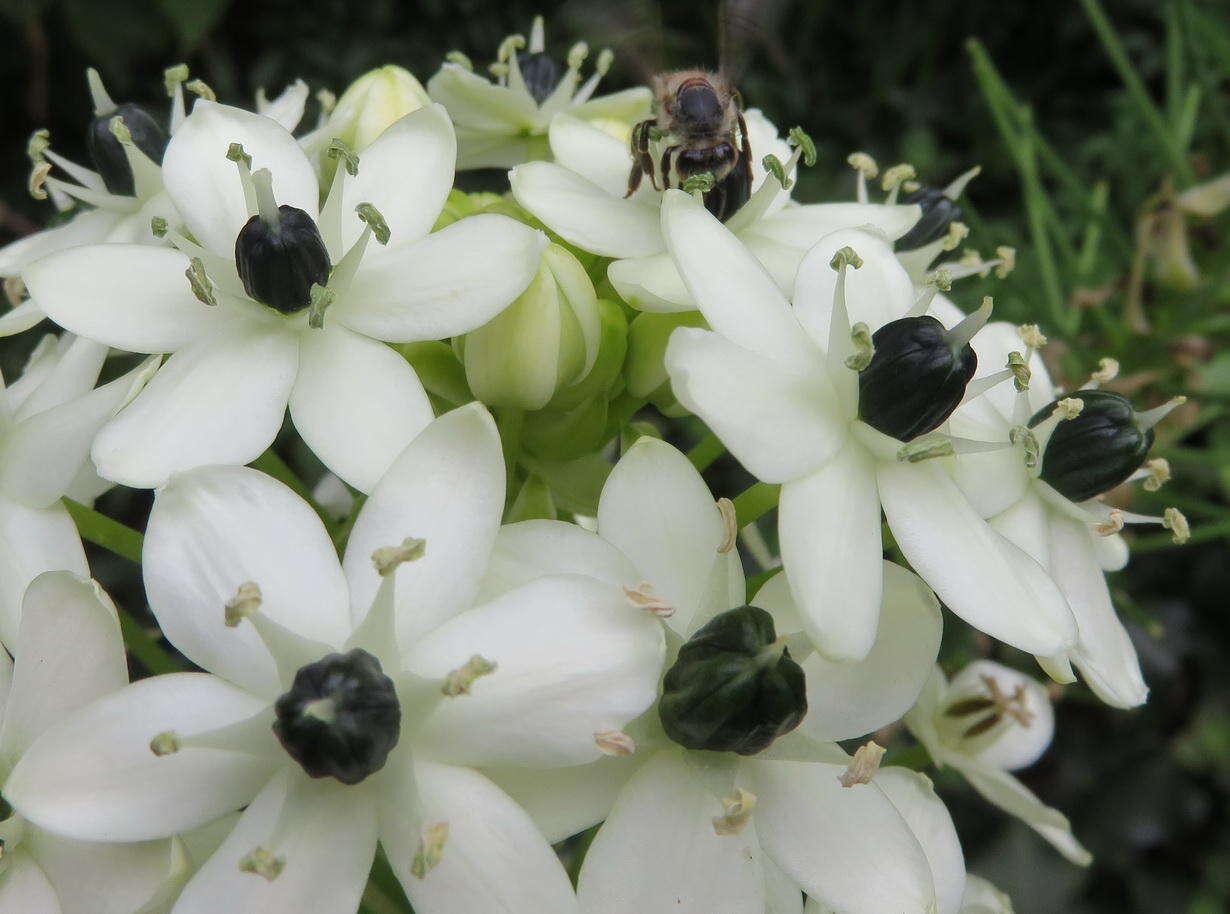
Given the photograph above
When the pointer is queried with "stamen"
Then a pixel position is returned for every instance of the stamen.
(841, 340)
(1174, 521)
(432, 838)
(893, 179)
(14, 290)
(201, 88)
(1152, 417)
(864, 349)
(1005, 260)
(37, 180)
(321, 297)
(459, 681)
(1031, 336)
(601, 66)
(103, 105)
(863, 766)
(960, 335)
(957, 232)
(1113, 524)
(1108, 370)
(174, 77)
(1156, 473)
(261, 862)
(958, 185)
(201, 285)
(1023, 435)
(370, 215)
(338, 149)
(1021, 375)
(615, 742)
(939, 445)
(642, 597)
(1012, 705)
(736, 811)
(246, 601)
(388, 558)
(804, 143)
(158, 227)
(146, 174)
(730, 525)
(460, 60)
(289, 650)
(165, 743)
(235, 152)
(772, 164)
(867, 170)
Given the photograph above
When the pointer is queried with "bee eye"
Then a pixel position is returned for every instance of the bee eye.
(698, 103)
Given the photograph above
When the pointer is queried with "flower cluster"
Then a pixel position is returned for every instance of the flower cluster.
(503, 610)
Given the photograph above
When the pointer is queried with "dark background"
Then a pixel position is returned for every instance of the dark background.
(1146, 790)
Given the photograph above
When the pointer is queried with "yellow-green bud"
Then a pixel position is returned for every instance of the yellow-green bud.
(368, 106)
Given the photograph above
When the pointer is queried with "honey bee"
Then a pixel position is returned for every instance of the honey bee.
(699, 122)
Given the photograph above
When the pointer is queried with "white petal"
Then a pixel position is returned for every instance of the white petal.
(829, 529)
(220, 400)
(24, 887)
(846, 846)
(287, 107)
(32, 540)
(659, 512)
(419, 149)
(21, 318)
(658, 852)
(88, 227)
(778, 425)
(65, 374)
(129, 296)
(914, 796)
(215, 528)
(593, 154)
(731, 288)
(1112, 552)
(442, 285)
(573, 658)
(534, 548)
(992, 344)
(803, 226)
(1012, 746)
(586, 215)
(651, 283)
(846, 700)
(93, 776)
(328, 841)
(565, 801)
(981, 897)
(992, 481)
(356, 402)
(69, 652)
(978, 574)
(493, 859)
(474, 101)
(204, 184)
(1104, 653)
(447, 488)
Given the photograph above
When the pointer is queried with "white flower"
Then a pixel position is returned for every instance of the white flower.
(1074, 541)
(504, 123)
(990, 720)
(48, 419)
(113, 215)
(981, 897)
(581, 196)
(520, 681)
(69, 653)
(773, 383)
(237, 364)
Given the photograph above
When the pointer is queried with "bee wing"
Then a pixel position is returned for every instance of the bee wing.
(740, 29)
(630, 28)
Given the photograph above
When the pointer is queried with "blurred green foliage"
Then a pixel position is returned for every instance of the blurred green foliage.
(1088, 124)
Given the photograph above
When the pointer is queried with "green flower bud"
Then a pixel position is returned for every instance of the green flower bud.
(368, 106)
(647, 339)
(734, 686)
(612, 349)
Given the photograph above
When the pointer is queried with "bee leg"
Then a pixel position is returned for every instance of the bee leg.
(745, 146)
(668, 166)
(640, 155)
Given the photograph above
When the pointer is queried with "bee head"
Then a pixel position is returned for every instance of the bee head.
(696, 102)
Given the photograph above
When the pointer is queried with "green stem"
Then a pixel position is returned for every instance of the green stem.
(755, 501)
(103, 531)
(706, 451)
(510, 421)
(142, 645)
(757, 581)
(271, 464)
(1035, 205)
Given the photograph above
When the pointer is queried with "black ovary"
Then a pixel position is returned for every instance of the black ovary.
(540, 72)
(107, 152)
(938, 212)
(279, 266)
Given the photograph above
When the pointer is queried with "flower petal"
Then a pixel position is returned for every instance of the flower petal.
(215, 528)
(848, 847)
(328, 840)
(914, 796)
(21, 318)
(778, 425)
(204, 184)
(69, 652)
(475, 101)
(803, 226)
(24, 887)
(829, 529)
(584, 214)
(978, 574)
(442, 285)
(32, 540)
(411, 203)
(357, 403)
(658, 852)
(535, 548)
(573, 658)
(129, 296)
(493, 859)
(89, 227)
(651, 283)
(94, 778)
(1014, 746)
(659, 512)
(220, 400)
(447, 488)
(594, 154)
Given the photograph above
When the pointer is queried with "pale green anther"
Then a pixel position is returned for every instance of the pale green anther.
(38, 178)
(172, 77)
(246, 601)
(1020, 371)
(508, 47)
(165, 743)
(38, 143)
(606, 57)
(235, 152)
(702, 183)
(430, 851)
(957, 231)
(338, 149)
(497, 69)
(860, 337)
(458, 681)
(372, 217)
(941, 279)
(261, 862)
(388, 558)
(846, 257)
(202, 287)
(327, 100)
(201, 88)
(120, 130)
(917, 451)
(773, 165)
(1174, 521)
(460, 59)
(1028, 441)
(896, 175)
(320, 298)
(577, 54)
(158, 227)
(802, 140)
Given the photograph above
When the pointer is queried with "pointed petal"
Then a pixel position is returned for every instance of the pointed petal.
(220, 400)
(803, 226)
(534, 548)
(287, 107)
(357, 403)
(94, 778)
(447, 488)
(88, 227)
(442, 285)
(215, 528)
(829, 529)
(651, 283)
(475, 101)
(204, 184)
(70, 371)
(778, 425)
(21, 318)
(573, 659)
(593, 154)
(658, 852)
(914, 796)
(32, 540)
